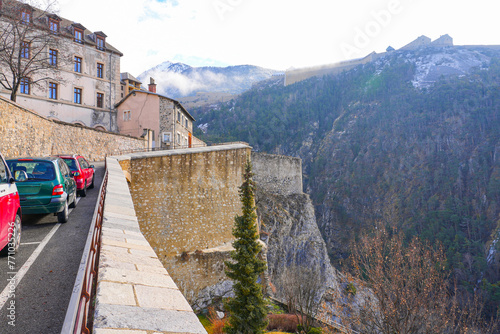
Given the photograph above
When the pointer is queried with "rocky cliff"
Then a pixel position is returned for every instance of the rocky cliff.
(287, 221)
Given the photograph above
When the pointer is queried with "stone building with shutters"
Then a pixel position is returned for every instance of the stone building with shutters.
(81, 85)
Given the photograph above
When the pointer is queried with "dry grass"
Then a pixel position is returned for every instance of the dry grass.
(282, 322)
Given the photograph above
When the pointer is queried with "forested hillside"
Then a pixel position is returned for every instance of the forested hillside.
(386, 144)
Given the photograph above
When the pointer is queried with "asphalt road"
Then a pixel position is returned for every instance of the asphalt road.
(49, 257)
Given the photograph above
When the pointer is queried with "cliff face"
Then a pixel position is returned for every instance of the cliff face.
(289, 229)
(287, 221)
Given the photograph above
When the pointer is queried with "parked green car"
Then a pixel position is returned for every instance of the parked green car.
(45, 185)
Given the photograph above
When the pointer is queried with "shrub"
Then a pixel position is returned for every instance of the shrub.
(217, 324)
(284, 322)
(315, 330)
(350, 289)
(312, 330)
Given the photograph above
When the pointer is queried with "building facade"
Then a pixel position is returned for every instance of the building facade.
(128, 84)
(164, 121)
(81, 85)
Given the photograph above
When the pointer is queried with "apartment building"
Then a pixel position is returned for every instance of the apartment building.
(78, 79)
(164, 121)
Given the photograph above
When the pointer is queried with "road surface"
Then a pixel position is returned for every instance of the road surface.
(37, 282)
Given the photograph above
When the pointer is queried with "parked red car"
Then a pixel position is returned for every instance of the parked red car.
(83, 172)
(10, 211)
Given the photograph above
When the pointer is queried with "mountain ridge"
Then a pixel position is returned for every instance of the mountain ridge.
(179, 80)
(378, 148)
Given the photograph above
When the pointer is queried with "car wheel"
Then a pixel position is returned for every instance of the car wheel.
(92, 184)
(15, 239)
(83, 192)
(62, 217)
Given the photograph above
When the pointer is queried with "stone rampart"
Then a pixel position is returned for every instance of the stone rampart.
(277, 174)
(186, 201)
(25, 133)
(296, 75)
(135, 294)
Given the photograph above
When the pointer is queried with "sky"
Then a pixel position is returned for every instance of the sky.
(275, 34)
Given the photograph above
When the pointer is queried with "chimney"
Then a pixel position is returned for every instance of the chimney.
(152, 85)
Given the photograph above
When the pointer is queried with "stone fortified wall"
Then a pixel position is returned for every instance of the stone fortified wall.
(25, 133)
(296, 75)
(277, 174)
(186, 201)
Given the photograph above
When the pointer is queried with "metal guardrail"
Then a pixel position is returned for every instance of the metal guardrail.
(77, 318)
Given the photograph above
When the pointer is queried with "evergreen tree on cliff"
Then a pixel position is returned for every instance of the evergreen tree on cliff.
(247, 309)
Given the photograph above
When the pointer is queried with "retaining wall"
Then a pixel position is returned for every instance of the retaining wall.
(135, 293)
(25, 133)
(186, 201)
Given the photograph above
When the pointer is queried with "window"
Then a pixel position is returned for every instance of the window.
(100, 100)
(53, 57)
(52, 90)
(167, 137)
(25, 17)
(178, 116)
(126, 115)
(78, 35)
(3, 173)
(54, 26)
(63, 167)
(78, 64)
(186, 122)
(25, 50)
(100, 43)
(24, 86)
(100, 68)
(77, 96)
(83, 163)
(178, 138)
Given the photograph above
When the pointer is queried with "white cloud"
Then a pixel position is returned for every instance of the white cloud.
(274, 34)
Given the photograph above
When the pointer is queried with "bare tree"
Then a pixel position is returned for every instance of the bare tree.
(26, 40)
(408, 286)
(302, 288)
(406, 290)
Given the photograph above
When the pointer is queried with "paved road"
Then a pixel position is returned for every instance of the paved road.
(51, 253)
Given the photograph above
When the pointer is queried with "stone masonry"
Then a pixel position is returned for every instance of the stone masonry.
(277, 174)
(135, 293)
(186, 201)
(25, 133)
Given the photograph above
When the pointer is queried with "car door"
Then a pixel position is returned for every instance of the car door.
(69, 181)
(8, 197)
(89, 172)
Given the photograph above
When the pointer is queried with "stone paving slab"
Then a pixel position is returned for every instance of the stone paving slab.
(120, 216)
(115, 293)
(118, 331)
(137, 277)
(135, 293)
(156, 297)
(143, 318)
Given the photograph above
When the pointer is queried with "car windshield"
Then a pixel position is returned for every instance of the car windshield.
(36, 170)
(71, 164)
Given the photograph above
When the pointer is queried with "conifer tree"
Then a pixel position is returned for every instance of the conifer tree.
(247, 308)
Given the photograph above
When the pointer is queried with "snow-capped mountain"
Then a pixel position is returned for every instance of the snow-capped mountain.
(178, 80)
